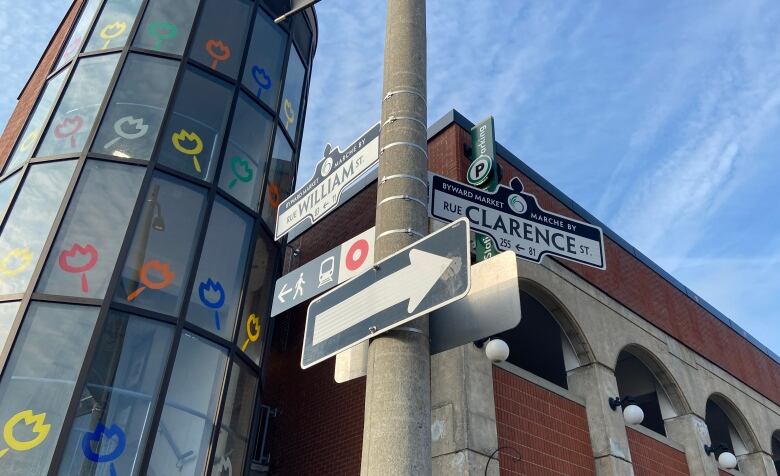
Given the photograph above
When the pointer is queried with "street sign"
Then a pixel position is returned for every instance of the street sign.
(491, 306)
(516, 222)
(483, 171)
(424, 276)
(322, 193)
(324, 272)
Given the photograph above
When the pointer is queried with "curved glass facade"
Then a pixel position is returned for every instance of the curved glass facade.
(136, 250)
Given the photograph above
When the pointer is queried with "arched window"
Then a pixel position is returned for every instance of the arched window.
(538, 344)
(726, 426)
(637, 381)
(776, 450)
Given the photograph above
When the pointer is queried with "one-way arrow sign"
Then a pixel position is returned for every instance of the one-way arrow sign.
(424, 276)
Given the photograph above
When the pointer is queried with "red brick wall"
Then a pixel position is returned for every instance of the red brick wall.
(549, 432)
(650, 457)
(34, 86)
(634, 285)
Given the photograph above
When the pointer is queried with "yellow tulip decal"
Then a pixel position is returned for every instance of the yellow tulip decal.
(289, 113)
(252, 323)
(196, 145)
(22, 255)
(112, 31)
(40, 429)
(29, 140)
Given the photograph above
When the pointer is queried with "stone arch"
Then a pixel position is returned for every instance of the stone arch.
(776, 450)
(571, 330)
(672, 390)
(747, 442)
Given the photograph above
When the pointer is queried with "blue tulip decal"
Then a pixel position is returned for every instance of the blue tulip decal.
(212, 286)
(101, 432)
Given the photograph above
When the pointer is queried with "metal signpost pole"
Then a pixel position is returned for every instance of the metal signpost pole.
(396, 434)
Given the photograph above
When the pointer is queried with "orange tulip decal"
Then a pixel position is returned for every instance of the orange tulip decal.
(69, 127)
(193, 150)
(274, 195)
(92, 257)
(163, 269)
(218, 51)
(112, 31)
(253, 330)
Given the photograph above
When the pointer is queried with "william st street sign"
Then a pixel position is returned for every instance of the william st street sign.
(516, 222)
(322, 194)
(426, 275)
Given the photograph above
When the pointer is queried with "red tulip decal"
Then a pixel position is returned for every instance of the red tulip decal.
(88, 251)
(69, 127)
(164, 269)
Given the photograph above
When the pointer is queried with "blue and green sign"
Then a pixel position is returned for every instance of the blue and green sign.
(483, 173)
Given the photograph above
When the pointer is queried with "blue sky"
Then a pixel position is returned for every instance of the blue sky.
(661, 118)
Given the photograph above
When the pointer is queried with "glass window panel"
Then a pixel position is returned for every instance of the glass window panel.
(302, 35)
(7, 315)
(29, 221)
(280, 179)
(193, 133)
(135, 112)
(187, 420)
(263, 69)
(38, 382)
(254, 324)
(114, 25)
(221, 33)
(290, 109)
(236, 420)
(87, 245)
(70, 125)
(32, 131)
(160, 256)
(6, 188)
(77, 34)
(243, 168)
(217, 286)
(166, 25)
(115, 411)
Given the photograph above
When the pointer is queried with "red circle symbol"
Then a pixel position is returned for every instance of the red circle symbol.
(357, 254)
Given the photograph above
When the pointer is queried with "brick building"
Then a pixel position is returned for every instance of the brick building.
(586, 335)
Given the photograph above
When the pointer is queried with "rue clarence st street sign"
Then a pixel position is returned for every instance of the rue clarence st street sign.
(322, 194)
(516, 222)
(426, 275)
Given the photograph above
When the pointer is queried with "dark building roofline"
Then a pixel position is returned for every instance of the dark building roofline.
(455, 117)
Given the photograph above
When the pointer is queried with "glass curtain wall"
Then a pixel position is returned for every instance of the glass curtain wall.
(136, 225)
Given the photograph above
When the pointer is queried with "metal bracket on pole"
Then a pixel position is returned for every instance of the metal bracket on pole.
(405, 91)
(407, 231)
(404, 176)
(403, 197)
(392, 119)
(410, 144)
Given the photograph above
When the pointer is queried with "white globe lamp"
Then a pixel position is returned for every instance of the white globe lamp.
(727, 460)
(633, 415)
(497, 350)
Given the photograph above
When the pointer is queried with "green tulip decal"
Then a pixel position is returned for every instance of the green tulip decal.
(241, 170)
(162, 30)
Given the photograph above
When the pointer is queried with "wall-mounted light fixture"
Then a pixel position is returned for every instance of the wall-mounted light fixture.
(632, 414)
(726, 459)
(495, 349)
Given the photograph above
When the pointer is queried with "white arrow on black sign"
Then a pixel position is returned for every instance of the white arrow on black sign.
(424, 276)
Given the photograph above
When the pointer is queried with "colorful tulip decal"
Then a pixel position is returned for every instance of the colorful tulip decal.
(193, 149)
(215, 287)
(241, 170)
(16, 261)
(112, 31)
(139, 129)
(289, 113)
(261, 78)
(163, 269)
(253, 330)
(111, 433)
(69, 127)
(274, 195)
(29, 140)
(90, 263)
(39, 428)
(162, 30)
(218, 51)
